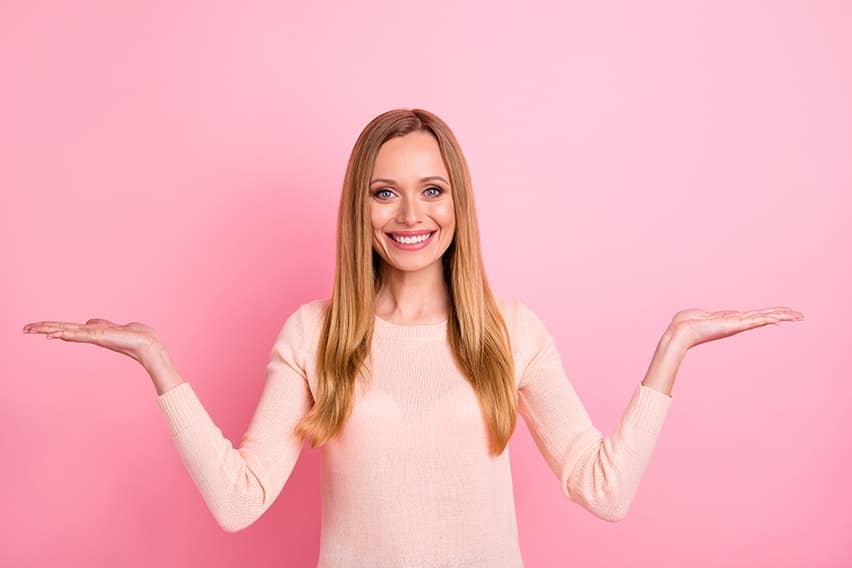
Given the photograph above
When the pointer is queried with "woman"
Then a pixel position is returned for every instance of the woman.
(410, 378)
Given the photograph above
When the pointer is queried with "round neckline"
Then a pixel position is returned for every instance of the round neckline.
(410, 331)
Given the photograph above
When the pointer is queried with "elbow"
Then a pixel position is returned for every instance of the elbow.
(616, 507)
(608, 503)
(230, 525)
(231, 528)
(234, 525)
(599, 485)
(614, 516)
(243, 507)
(605, 508)
(236, 519)
(611, 512)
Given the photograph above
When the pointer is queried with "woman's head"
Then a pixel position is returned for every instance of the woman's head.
(411, 203)
(401, 147)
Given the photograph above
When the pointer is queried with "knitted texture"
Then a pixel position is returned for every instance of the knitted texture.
(408, 481)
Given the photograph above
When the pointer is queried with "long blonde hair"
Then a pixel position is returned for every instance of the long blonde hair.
(476, 330)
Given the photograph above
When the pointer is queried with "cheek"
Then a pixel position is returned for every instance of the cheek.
(377, 218)
(444, 214)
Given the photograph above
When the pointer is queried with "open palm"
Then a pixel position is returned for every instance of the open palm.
(134, 339)
(696, 326)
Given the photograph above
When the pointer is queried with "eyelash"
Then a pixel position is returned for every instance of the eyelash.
(440, 189)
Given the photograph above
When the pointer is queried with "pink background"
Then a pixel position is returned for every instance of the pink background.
(180, 164)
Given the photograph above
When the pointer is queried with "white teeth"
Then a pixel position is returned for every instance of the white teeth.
(411, 240)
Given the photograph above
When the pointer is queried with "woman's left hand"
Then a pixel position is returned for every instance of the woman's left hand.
(693, 327)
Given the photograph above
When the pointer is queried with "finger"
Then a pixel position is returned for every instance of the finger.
(68, 334)
(50, 326)
(767, 320)
(744, 322)
(784, 312)
(755, 313)
(768, 311)
(725, 312)
(786, 315)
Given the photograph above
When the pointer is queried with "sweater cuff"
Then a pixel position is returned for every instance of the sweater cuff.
(648, 409)
(181, 408)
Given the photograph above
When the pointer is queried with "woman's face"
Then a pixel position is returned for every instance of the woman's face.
(410, 194)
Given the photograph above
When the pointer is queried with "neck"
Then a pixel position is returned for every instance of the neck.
(420, 296)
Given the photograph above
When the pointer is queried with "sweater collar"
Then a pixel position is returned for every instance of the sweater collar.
(385, 328)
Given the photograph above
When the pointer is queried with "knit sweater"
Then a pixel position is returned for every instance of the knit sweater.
(408, 480)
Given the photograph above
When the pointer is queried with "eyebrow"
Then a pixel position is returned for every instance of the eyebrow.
(427, 178)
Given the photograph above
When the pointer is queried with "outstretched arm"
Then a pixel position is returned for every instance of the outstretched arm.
(239, 484)
(599, 473)
(602, 474)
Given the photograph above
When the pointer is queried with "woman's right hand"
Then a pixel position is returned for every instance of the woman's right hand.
(134, 339)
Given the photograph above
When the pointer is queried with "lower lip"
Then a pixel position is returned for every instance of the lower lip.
(415, 246)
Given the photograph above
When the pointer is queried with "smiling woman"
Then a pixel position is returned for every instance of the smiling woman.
(410, 379)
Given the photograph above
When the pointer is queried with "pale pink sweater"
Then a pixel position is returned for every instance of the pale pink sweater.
(409, 481)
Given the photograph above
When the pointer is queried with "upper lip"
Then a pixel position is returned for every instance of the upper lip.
(411, 233)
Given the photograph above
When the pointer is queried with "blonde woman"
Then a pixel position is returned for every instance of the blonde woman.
(410, 378)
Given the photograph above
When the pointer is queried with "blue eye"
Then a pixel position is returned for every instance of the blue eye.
(439, 192)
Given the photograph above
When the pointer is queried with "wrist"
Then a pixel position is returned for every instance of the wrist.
(664, 365)
(154, 356)
(674, 340)
(161, 369)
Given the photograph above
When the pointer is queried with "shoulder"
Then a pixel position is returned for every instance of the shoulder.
(523, 323)
(527, 333)
(527, 330)
(313, 310)
(310, 316)
(520, 318)
(509, 309)
(302, 323)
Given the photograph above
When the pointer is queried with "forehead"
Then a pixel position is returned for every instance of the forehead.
(414, 155)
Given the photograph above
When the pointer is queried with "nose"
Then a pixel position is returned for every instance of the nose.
(409, 211)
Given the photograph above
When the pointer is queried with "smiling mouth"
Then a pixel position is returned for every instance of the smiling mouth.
(411, 240)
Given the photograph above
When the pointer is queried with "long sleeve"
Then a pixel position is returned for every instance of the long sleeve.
(601, 474)
(239, 485)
